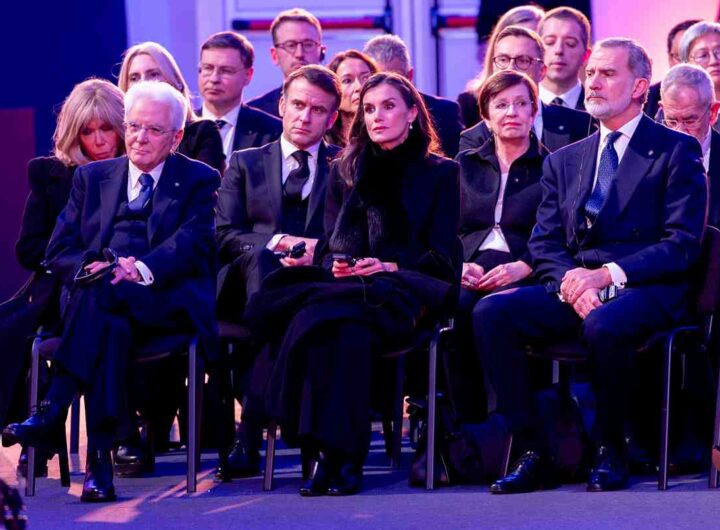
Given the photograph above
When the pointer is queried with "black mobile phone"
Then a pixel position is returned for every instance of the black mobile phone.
(297, 251)
(341, 257)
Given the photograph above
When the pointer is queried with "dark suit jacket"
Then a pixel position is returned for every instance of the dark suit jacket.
(249, 210)
(202, 141)
(651, 224)
(50, 181)
(253, 128)
(652, 106)
(561, 126)
(268, 102)
(447, 120)
(713, 175)
(180, 230)
(480, 188)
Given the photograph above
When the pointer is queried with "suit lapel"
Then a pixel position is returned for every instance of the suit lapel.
(110, 189)
(273, 177)
(585, 171)
(555, 133)
(244, 133)
(164, 195)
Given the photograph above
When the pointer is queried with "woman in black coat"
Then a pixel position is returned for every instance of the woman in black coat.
(391, 228)
(500, 186)
(150, 61)
(89, 128)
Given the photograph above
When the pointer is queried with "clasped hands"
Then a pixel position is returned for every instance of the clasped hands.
(362, 267)
(475, 278)
(581, 287)
(125, 270)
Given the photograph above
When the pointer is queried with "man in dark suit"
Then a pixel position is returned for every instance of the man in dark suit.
(621, 221)
(226, 68)
(565, 32)
(154, 209)
(391, 54)
(297, 41)
(556, 126)
(271, 199)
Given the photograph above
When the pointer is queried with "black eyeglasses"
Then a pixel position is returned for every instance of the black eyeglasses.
(523, 62)
(291, 45)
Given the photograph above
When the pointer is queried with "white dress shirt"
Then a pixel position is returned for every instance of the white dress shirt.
(288, 164)
(570, 98)
(133, 190)
(227, 131)
(495, 240)
(706, 149)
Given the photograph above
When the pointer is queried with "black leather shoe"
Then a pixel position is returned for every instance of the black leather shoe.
(43, 429)
(41, 466)
(98, 485)
(134, 460)
(243, 461)
(317, 483)
(529, 473)
(346, 482)
(610, 471)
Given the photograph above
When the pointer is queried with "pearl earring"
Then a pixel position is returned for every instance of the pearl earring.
(410, 126)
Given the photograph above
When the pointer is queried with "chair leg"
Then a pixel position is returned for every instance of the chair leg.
(665, 415)
(194, 402)
(432, 413)
(398, 403)
(506, 455)
(270, 456)
(227, 425)
(34, 376)
(64, 465)
(714, 478)
(75, 426)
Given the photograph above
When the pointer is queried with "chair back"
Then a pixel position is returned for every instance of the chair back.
(708, 294)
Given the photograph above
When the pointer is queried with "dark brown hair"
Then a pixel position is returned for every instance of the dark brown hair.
(230, 39)
(422, 131)
(569, 13)
(319, 76)
(503, 80)
(511, 31)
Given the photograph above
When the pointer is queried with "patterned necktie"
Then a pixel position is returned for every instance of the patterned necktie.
(298, 176)
(558, 101)
(146, 189)
(606, 172)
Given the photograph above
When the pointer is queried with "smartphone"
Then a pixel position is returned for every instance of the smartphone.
(344, 258)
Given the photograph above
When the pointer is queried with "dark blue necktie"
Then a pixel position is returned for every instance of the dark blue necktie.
(146, 183)
(298, 176)
(606, 172)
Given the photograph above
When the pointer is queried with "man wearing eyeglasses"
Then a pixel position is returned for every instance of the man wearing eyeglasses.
(226, 68)
(297, 41)
(153, 209)
(556, 126)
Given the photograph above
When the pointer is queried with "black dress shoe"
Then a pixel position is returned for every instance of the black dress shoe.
(41, 466)
(346, 481)
(243, 461)
(317, 483)
(529, 473)
(44, 429)
(133, 460)
(610, 471)
(98, 485)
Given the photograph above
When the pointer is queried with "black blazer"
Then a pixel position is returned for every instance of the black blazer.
(480, 188)
(651, 224)
(447, 120)
(202, 141)
(180, 229)
(249, 209)
(713, 175)
(269, 102)
(50, 181)
(652, 106)
(253, 128)
(561, 126)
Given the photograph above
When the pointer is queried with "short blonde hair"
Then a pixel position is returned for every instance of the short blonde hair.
(167, 65)
(91, 99)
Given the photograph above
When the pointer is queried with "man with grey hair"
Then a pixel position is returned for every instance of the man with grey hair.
(134, 249)
(617, 232)
(392, 55)
(701, 46)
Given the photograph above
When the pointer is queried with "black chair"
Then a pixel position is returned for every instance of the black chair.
(153, 349)
(693, 336)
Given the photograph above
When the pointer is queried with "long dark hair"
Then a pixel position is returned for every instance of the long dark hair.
(422, 132)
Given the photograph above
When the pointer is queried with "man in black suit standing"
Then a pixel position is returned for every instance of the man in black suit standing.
(391, 54)
(565, 32)
(154, 209)
(618, 229)
(557, 126)
(297, 41)
(271, 199)
(226, 68)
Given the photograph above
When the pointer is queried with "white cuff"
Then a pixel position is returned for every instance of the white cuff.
(274, 240)
(147, 276)
(619, 279)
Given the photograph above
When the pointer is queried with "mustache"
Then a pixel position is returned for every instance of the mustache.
(594, 95)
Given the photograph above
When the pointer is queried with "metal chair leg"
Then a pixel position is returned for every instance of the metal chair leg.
(193, 450)
(431, 417)
(64, 465)
(397, 420)
(270, 456)
(506, 455)
(665, 415)
(75, 426)
(714, 478)
(34, 376)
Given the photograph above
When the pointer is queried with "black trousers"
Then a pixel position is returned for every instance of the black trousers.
(101, 324)
(506, 322)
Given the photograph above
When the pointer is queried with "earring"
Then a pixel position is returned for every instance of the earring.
(410, 126)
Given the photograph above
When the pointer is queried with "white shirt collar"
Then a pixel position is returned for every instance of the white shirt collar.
(230, 117)
(626, 130)
(287, 148)
(134, 173)
(570, 98)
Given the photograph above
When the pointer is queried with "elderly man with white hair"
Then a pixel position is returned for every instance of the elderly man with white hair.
(134, 250)
(688, 105)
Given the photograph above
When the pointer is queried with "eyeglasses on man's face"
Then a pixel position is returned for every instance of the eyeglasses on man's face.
(523, 62)
(154, 131)
(691, 122)
(290, 46)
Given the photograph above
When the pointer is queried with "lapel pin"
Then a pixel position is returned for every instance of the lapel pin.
(651, 152)
(177, 184)
(561, 127)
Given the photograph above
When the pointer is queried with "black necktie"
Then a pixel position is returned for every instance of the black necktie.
(220, 124)
(298, 176)
(558, 101)
(146, 183)
(606, 172)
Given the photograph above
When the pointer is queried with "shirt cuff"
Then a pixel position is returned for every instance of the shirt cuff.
(147, 276)
(619, 279)
(274, 240)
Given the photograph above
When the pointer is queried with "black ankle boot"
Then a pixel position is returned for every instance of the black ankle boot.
(98, 485)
